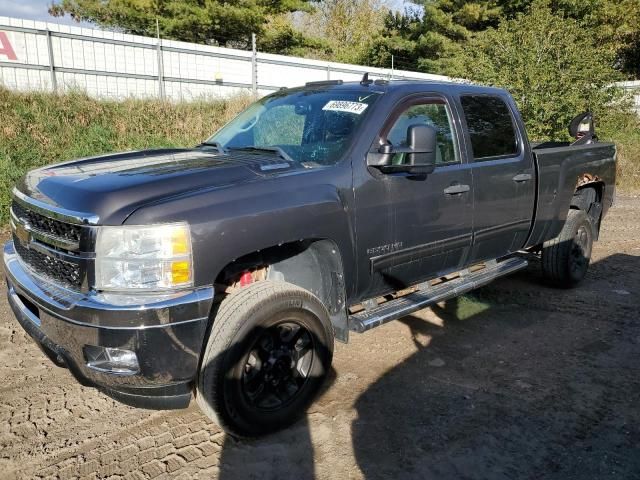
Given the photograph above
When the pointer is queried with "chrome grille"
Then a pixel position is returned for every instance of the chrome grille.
(49, 242)
(46, 225)
(51, 267)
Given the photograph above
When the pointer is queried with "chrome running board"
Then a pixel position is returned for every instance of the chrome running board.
(428, 294)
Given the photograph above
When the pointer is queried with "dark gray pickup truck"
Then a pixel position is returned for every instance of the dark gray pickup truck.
(227, 270)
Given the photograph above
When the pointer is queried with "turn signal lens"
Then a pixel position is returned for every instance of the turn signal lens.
(180, 272)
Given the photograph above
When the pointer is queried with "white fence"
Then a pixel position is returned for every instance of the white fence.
(50, 56)
(634, 89)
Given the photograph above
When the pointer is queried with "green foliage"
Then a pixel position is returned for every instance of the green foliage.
(614, 25)
(42, 128)
(552, 66)
(416, 41)
(431, 39)
(624, 131)
(426, 38)
(345, 28)
(339, 30)
(200, 21)
(349, 26)
(282, 38)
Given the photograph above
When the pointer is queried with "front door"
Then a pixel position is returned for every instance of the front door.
(503, 176)
(414, 227)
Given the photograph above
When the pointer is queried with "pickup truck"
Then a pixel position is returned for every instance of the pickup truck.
(226, 271)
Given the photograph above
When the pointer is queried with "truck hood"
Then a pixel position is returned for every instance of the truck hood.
(113, 186)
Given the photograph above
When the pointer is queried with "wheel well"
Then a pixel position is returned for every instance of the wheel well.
(588, 197)
(315, 265)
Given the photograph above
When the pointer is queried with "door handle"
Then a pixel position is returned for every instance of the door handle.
(456, 189)
(522, 177)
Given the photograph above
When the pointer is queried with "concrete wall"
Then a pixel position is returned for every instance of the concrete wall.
(46, 55)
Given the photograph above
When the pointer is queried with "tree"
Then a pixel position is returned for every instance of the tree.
(430, 38)
(346, 26)
(553, 67)
(279, 36)
(615, 24)
(228, 23)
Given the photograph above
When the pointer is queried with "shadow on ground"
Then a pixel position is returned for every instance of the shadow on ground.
(499, 390)
(517, 381)
(286, 454)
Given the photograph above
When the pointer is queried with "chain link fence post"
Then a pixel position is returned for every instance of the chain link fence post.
(392, 67)
(254, 66)
(161, 93)
(52, 70)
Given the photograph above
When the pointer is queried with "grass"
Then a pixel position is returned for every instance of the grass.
(624, 131)
(39, 128)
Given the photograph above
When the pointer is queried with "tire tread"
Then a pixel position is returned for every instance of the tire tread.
(236, 305)
(555, 252)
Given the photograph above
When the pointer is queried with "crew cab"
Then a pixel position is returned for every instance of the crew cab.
(227, 270)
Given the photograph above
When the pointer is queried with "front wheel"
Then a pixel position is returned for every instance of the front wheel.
(267, 355)
(565, 259)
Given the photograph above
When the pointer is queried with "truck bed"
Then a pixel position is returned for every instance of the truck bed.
(561, 167)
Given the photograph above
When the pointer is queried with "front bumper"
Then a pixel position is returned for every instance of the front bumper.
(165, 331)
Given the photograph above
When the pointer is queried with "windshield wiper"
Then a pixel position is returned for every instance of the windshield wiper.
(277, 150)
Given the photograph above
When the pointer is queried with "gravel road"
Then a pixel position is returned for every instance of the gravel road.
(517, 381)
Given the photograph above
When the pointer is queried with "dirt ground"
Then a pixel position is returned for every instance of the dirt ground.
(517, 381)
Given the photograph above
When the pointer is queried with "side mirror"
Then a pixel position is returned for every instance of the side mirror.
(582, 129)
(422, 141)
(420, 153)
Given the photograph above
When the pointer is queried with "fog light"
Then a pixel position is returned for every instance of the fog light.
(111, 360)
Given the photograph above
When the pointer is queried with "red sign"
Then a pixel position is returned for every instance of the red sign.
(5, 47)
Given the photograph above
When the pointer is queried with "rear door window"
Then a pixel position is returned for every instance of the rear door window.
(490, 127)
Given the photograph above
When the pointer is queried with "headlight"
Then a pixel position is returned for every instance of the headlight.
(156, 257)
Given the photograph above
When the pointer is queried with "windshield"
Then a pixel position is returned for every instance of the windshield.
(309, 127)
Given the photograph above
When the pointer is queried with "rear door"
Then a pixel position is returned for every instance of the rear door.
(503, 175)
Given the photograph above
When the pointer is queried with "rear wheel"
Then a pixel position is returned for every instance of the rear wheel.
(565, 259)
(268, 353)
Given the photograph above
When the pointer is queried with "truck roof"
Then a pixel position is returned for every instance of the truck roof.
(388, 86)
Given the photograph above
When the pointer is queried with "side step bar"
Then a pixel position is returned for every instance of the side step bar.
(427, 294)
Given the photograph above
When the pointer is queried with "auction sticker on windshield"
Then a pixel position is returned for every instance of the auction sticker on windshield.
(344, 106)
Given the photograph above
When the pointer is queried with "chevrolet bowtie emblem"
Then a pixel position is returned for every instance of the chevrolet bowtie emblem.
(23, 234)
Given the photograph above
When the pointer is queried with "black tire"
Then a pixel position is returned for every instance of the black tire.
(255, 357)
(565, 259)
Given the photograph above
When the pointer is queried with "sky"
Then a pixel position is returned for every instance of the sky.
(34, 10)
